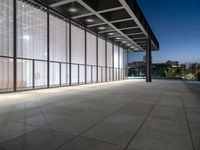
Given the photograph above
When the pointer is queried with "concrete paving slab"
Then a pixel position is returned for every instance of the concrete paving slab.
(13, 130)
(169, 126)
(115, 115)
(82, 143)
(40, 139)
(156, 140)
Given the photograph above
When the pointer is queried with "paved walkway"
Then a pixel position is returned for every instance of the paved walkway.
(132, 114)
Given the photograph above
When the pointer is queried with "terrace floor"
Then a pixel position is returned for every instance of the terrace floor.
(130, 114)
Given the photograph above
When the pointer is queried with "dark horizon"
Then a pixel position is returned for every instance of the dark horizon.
(176, 25)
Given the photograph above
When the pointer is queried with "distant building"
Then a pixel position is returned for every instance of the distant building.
(136, 68)
(173, 64)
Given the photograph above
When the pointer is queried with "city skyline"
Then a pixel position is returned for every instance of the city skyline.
(176, 27)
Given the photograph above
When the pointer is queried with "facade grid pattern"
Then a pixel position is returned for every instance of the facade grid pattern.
(41, 49)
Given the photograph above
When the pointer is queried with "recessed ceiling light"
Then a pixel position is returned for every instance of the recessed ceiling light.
(89, 20)
(101, 28)
(111, 33)
(132, 46)
(128, 44)
(73, 10)
(124, 42)
(117, 38)
(136, 49)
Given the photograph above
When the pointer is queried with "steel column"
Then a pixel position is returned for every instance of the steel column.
(106, 61)
(118, 62)
(97, 57)
(113, 63)
(33, 72)
(60, 71)
(15, 45)
(70, 54)
(48, 54)
(148, 60)
(85, 56)
(127, 64)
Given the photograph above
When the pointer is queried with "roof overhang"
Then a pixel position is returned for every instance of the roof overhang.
(120, 21)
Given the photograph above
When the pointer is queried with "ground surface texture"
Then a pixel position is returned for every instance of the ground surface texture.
(130, 114)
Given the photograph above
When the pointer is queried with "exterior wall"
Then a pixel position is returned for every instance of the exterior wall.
(52, 51)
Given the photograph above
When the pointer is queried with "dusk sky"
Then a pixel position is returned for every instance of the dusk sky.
(176, 24)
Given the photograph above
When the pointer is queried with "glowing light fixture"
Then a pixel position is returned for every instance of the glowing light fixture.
(132, 46)
(136, 49)
(117, 38)
(72, 9)
(111, 33)
(102, 28)
(26, 37)
(89, 20)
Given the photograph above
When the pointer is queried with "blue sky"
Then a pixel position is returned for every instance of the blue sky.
(176, 24)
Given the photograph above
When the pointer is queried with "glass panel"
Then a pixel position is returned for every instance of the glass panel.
(111, 74)
(91, 49)
(74, 74)
(108, 74)
(121, 58)
(99, 74)
(64, 74)
(103, 74)
(54, 74)
(6, 74)
(31, 31)
(40, 74)
(89, 74)
(94, 74)
(24, 74)
(78, 45)
(116, 58)
(58, 39)
(109, 54)
(126, 64)
(81, 74)
(116, 74)
(6, 27)
(101, 52)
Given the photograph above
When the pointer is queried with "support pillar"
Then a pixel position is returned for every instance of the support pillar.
(148, 60)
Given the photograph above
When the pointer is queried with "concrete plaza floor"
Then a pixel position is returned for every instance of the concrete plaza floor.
(130, 114)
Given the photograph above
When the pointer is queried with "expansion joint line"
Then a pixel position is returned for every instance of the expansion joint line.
(139, 128)
(188, 125)
(97, 124)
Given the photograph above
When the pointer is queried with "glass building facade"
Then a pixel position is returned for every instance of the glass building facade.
(40, 49)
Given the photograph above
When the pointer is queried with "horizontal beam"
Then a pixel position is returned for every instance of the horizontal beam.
(61, 3)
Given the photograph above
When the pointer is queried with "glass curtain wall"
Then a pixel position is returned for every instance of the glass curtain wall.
(109, 61)
(126, 64)
(32, 50)
(116, 62)
(121, 63)
(101, 59)
(77, 55)
(91, 57)
(31, 44)
(58, 50)
(6, 45)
